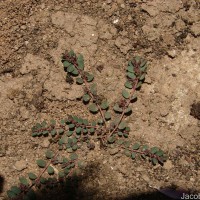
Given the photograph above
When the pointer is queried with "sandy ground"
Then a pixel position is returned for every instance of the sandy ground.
(34, 34)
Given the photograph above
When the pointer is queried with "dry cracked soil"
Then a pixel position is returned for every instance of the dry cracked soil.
(34, 34)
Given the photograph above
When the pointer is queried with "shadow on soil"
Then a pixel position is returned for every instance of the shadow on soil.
(75, 189)
(1, 184)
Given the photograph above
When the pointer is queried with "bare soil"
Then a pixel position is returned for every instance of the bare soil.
(34, 34)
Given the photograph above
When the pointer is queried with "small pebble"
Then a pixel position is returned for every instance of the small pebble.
(168, 165)
(20, 165)
(23, 27)
(172, 53)
(114, 151)
(146, 178)
(45, 143)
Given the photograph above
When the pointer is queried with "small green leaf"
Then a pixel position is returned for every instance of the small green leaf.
(120, 133)
(142, 76)
(45, 133)
(75, 147)
(34, 134)
(63, 122)
(104, 104)
(68, 165)
(130, 63)
(137, 59)
(90, 77)
(49, 154)
(127, 144)
(53, 132)
(116, 108)
(78, 130)
(107, 115)
(74, 140)
(92, 130)
(75, 118)
(60, 142)
(85, 122)
(133, 155)
(73, 156)
(154, 150)
(154, 161)
(93, 123)
(127, 153)
(134, 97)
(139, 84)
(11, 194)
(32, 176)
(79, 80)
(80, 62)
(160, 153)
(61, 131)
(125, 94)
(41, 163)
(136, 146)
(71, 126)
(86, 97)
(39, 133)
(71, 53)
(145, 147)
(66, 64)
(131, 75)
(71, 68)
(93, 108)
(69, 150)
(125, 135)
(75, 72)
(61, 174)
(50, 170)
(23, 180)
(38, 126)
(111, 139)
(93, 88)
(70, 141)
(66, 171)
(80, 121)
(122, 125)
(72, 165)
(30, 195)
(128, 110)
(127, 129)
(43, 180)
(128, 85)
(44, 124)
(34, 128)
(120, 141)
(69, 133)
(15, 190)
(53, 122)
(100, 121)
(81, 164)
(143, 156)
(143, 69)
(85, 131)
(143, 62)
(130, 68)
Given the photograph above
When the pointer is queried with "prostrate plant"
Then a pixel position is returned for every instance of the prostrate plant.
(71, 133)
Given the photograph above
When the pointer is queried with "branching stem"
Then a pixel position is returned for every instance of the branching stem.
(127, 104)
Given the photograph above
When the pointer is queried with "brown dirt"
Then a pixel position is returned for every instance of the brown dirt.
(35, 33)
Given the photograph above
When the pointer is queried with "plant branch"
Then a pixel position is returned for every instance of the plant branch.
(88, 89)
(127, 104)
